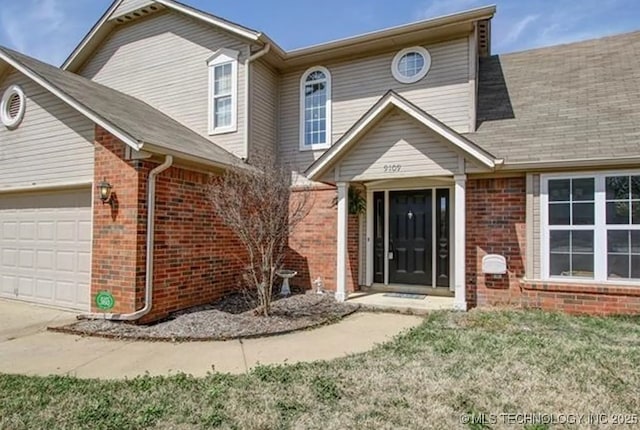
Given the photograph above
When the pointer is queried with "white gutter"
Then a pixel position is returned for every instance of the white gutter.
(148, 296)
(247, 68)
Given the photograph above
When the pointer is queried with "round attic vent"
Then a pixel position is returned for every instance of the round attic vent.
(12, 107)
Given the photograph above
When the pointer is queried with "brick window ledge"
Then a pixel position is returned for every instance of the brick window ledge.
(631, 290)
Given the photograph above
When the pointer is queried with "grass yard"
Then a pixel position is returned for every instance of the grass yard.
(482, 362)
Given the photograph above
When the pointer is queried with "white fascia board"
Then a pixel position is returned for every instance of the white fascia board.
(210, 19)
(96, 28)
(347, 139)
(124, 137)
(425, 120)
(445, 133)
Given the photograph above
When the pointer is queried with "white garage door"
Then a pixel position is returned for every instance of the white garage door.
(45, 247)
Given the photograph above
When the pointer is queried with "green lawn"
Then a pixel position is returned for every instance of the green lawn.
(488, 362)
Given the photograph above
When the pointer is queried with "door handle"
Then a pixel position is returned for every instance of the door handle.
(390, 256)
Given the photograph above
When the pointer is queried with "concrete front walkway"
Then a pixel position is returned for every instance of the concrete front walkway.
(27, 348)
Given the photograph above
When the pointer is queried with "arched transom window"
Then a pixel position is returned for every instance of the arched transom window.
(315, 107)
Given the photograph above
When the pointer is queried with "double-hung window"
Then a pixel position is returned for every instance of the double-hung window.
(223, 84)
(591, 227)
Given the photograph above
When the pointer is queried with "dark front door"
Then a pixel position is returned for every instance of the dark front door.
(411, 237)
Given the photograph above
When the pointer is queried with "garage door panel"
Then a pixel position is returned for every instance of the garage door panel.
(66, 231)
(84, 263)
(44, 289)
(26, 259)
(26, 287)
(9, 230)
(65, 292)
(27, 229)
(45, 244)
(9, 257)
(8, 284)
(45, 260)
(84, 231)
(46, 231)
(65, 261)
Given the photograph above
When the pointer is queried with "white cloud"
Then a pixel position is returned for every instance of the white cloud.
(516, 30)
(41, 30)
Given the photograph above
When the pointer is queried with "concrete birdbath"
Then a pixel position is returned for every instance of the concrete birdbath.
(286, 275)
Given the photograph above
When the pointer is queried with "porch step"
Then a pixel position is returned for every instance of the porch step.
(417, 304)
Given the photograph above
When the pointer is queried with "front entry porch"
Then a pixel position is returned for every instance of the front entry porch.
(413, 169)
(412, 229)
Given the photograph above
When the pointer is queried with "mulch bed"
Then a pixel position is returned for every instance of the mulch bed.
(230, 318)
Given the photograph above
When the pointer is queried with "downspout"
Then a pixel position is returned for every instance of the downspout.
(250, 60)
(148, 294)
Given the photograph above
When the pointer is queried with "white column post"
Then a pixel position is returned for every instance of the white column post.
(343, 217)
(459, 228)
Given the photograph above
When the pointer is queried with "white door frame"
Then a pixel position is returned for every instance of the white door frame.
(370, 222)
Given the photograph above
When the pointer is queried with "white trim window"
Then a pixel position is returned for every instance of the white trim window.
(590, 227)
(411, 64)
(223, 91)
(315, 109)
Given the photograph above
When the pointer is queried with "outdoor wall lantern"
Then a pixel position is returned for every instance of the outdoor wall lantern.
(104, 188)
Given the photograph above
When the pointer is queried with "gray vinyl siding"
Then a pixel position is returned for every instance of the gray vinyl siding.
(537, 271)
(129, 6)
(401, 141)
(52, 146)
(162, 60)
(358, 84)
(264, 109)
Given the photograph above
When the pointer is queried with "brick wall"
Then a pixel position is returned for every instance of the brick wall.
(312, 245)
(581, 298)
(117, 230)
(496, 217)
(197, 258)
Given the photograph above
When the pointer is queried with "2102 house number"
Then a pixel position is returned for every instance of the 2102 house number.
(392, 168)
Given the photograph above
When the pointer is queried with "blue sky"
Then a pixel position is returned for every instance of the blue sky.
(50, 29)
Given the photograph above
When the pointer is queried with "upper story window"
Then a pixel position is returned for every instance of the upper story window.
(591, 226)
(12, 107)
(315, 109)
(411, 64)
(223, 91)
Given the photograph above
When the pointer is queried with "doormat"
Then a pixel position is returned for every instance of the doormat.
(406, 296)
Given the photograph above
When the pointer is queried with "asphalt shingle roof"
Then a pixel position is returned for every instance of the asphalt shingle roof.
(129, 114)
(578, 101)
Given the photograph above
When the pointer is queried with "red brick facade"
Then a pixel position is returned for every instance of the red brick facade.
(197, 259)
(313, 247)
(496, 224)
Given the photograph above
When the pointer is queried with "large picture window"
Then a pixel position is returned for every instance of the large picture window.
(591, 227)
(315, 109)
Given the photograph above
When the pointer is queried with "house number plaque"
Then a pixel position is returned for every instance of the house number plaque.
(392, 168)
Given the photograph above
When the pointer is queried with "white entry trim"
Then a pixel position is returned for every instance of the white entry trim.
(343, 218)
(369, 240)
(387, 187)
(459, 251)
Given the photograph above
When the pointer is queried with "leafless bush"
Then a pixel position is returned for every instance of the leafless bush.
(257, 203)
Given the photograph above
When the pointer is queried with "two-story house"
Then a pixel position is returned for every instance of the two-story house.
(510, 179)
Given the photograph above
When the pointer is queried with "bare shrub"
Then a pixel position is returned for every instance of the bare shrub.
(257, 203)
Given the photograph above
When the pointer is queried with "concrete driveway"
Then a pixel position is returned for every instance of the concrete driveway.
(26, 347)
